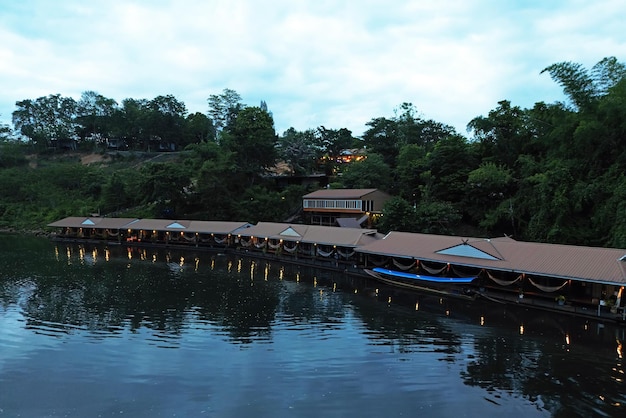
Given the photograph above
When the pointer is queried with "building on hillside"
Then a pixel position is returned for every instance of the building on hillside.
(344, 207)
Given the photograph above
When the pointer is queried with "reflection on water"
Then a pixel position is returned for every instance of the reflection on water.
(95, 331)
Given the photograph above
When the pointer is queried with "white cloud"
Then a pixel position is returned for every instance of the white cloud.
(332, 63)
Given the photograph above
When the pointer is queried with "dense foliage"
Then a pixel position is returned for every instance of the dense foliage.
(551, 173)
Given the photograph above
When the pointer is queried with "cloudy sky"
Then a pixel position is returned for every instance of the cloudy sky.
(322, 62)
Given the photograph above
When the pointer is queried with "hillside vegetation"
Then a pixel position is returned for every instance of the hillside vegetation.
(550, 173)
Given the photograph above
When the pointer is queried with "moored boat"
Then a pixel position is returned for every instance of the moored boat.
(430, 284)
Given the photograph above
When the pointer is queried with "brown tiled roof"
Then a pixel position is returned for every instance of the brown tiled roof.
(339, 194)
(327, 235)
(92, 222)
(505, 254)
(208, 227)
(601, 265)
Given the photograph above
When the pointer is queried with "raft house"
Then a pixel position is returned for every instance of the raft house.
(582, 280)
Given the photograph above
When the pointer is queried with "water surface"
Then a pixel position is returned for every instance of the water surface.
(90, 331)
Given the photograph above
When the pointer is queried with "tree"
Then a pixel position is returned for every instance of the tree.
(253, 140)
(372, 172)
(503, 135)
(94, 114)
(166, 120)
(449, 165)
(584, 87)
(398, 215)
(412, 163)
(488, 196)
(218, 183)
(300, 150)
(47, 121)
(131, 123)
(223, 108)
(198, 128)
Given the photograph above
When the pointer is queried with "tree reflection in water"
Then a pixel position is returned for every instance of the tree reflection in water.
(566, 366)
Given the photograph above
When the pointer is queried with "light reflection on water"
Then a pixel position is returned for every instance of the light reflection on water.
(139, 332)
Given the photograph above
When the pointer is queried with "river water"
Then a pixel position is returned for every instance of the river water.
(87, 331)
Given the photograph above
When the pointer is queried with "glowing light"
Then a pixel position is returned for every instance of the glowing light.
(417, 306)
(154, 258)
(197, 263)
(482, 320)
(334, 287)
(376, 292)
(620, 352)
(107, 254)
(298, 277)
(314, 281)
(182, 261)
(129, 254)
(389, 300)
(521, 329)
(567, 339)
(356, 291)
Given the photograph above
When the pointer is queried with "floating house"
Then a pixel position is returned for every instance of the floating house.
(584, 276)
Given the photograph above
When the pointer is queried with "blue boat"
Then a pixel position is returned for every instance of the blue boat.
(430, 279)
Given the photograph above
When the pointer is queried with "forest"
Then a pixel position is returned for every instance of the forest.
(551, 173)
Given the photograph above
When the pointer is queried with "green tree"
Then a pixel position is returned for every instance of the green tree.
(253, 140)
(94, 116)
(412, 163)
(449, 165)
(198, 128)
(398, 215)
(489, 190)
(47, 121)
(223, 108)
(300, 150)
(372, 172)
(584, 87)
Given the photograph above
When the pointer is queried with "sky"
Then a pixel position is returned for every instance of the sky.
(337, 64)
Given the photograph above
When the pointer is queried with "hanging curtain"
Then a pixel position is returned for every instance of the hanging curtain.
(188, 238)
(113, 234)
(324, 253)
(377, 261)
(433, 270)
(261, 245)
(220, 240)
(548, 289)
(504, 282)
(244, 243)
(345, 255)
(402, 266)
(461, 273)
(271, 244)
(292, 249)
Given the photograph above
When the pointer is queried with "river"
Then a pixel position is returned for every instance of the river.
(87, 331)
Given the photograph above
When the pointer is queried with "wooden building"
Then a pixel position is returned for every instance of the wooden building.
(336, 207)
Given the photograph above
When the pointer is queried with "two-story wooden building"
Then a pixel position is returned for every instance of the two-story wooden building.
(344, 207)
